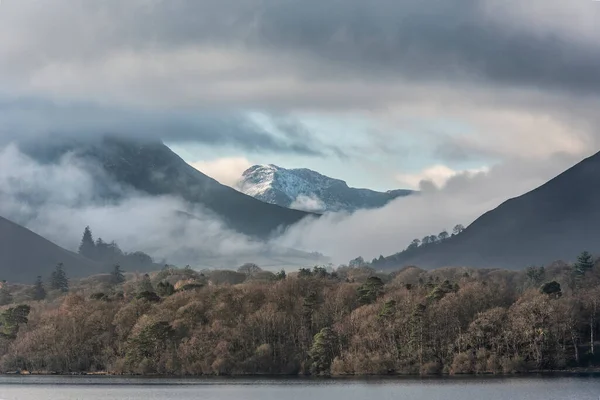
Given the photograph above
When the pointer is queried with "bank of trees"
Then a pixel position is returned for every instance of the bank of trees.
(110, 252)
(415, 245)
(350, 321)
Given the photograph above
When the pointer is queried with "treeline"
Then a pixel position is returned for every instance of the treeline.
(348, 321)
(110, 252)
(426, 241)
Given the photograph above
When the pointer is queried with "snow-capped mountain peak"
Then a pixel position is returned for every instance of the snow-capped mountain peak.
(309, 190)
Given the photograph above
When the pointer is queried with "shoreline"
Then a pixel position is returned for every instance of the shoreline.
(571, 372)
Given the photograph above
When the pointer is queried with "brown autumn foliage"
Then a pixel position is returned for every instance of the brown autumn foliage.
(351, 322)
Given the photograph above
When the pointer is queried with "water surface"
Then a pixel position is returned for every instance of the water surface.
(96, 388)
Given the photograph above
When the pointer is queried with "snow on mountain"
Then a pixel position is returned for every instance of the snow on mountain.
(308, 190)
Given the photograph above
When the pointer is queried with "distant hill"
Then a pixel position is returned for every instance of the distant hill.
(151, 167)
(309, 190)
(24, 255)
(556, 221)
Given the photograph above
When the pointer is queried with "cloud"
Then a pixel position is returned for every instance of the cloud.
(510, 72)
(385, 231)
(438, 175)
(57, 200)
(227, 171)
(25, 119)
(308, 203)
(509, 43)
(509, 83)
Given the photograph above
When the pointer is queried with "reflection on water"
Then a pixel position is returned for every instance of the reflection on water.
(121, 388)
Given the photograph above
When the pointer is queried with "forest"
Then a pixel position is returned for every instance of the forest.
(321, 321)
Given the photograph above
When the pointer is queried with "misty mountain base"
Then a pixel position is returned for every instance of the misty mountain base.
(351, 321)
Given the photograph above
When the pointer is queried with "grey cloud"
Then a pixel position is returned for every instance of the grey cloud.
(439, 39)
(442, 40)
(31, 118)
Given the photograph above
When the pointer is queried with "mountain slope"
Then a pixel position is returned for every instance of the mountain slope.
(553, 222)
(25, 255)
(307, 189)
(152, 167)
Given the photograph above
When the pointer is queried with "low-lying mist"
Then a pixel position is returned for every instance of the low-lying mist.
(57, 200)
(388, 230)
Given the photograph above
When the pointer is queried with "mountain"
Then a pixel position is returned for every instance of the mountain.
(152, 167)
(556, 221)
(306, 189)
(24, 255)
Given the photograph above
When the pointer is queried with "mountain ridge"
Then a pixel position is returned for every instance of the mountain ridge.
(24, 255)
(294, 188)
(555, 221)
(153, 168)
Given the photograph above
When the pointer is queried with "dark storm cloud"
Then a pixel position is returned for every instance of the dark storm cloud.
(435, 39)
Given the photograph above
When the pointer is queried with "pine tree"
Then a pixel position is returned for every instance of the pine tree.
(165, 289)
(117, 275)
(58, 279)
(323, 351)
(87, 248)
(584, 263)
(370, 290)
(39, 293)
(5, 296)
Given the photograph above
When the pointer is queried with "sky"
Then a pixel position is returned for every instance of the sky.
(378, 94)
(386, 94)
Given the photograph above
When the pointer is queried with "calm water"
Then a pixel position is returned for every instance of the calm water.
(85, 388)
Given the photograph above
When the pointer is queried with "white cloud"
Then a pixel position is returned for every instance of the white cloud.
(227, 170)
(436, 174)
(58, 200)
(308, 203)
(390, 229)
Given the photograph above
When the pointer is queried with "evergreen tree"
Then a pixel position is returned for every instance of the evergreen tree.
(165, 289)
(87, 248)
(370, 290)
(323, 351)
(117, 275)
(11, 319)
(150, 344)
(5, 296)
(39, 293)
(584, 263)
(58, 279)
(388, 310)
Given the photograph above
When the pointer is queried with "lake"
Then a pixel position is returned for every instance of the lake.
(96, 388)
